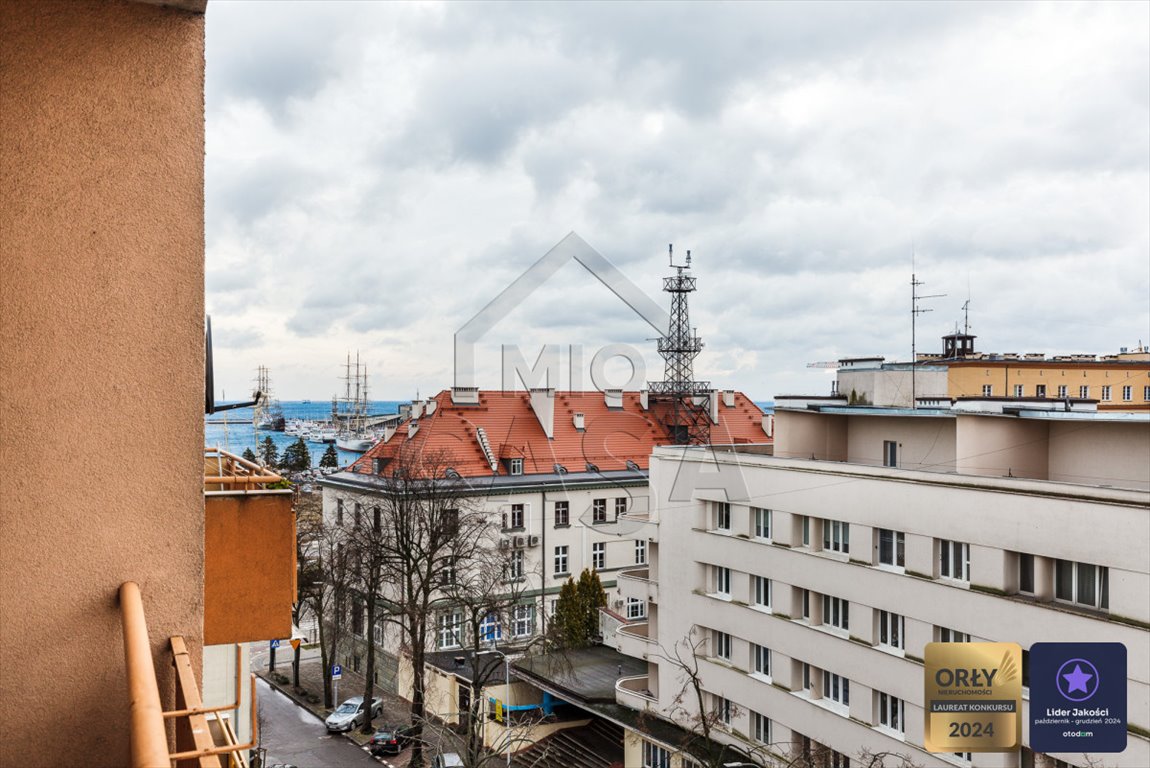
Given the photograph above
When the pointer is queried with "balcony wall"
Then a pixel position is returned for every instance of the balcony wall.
(638, 584)
(633, 641)
(102, 373)
(249, 567)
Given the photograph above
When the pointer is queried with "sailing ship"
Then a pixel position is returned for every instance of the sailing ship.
(267, 413)
(349, 413)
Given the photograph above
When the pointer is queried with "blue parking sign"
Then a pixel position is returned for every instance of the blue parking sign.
(336, 672)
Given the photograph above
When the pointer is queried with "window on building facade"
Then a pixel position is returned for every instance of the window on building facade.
(807, 677)
(1084, 391)
(723, 709)
(1106, 392)
(1018, 390)
(1146, 393)
(358, 518)
(761, 522)
(722, 515)
(836, 612)
(450, 625)
(522, 620)
(448, 571)
(1127, 393)
(599, 555)
(891, 630)
(1040, 390)
(836, 536)
(655, 756)
(1082, 583)
(891, 548)
(760, 659)
(339, 511)
(988, 390)
(760, 728)
(947, 635)
(721, 645)
(1026, 573)
(620, 507)
(806, 608)
(561, 564)
(722, 581)
(636, 608)
(805, 530)
(836, 688)
(891, 713)
(890, 453)
(490, 627)
(598, 510)
(1062, 393)
(562, 513)
(514, 518)
(954, 560)
(515, 566)
(640, 552)
(357, 618)
(761, 591)
(516, 466)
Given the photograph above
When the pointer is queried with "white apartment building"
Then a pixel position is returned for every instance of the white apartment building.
(814, 578)
(562, 474)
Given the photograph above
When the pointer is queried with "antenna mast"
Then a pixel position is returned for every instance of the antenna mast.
(687, 422)
(915, 311)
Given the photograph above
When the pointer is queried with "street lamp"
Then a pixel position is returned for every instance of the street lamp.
(506, 692)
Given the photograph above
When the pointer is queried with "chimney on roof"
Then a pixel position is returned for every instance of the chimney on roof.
(543, 403)
(643, 399)
(416, 409)
(388, 432)
(713, 405)
(430, 407)
(465, 395)
(769, 424)
(578, 420)
(613, 398)
(729, 398)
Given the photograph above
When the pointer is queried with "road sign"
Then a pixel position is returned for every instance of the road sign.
(336, 672)
(295, 643)
(275, 644)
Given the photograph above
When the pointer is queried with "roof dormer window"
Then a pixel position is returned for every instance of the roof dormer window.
(515, 466)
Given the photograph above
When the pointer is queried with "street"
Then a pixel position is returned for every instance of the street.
(295, 736)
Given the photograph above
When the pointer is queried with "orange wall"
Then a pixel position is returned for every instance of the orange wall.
(101, 376)
(249, 567)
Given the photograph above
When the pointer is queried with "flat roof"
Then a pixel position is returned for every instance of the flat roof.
(586, 674)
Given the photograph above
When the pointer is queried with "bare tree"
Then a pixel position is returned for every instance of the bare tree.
(690, 709)
(326, 596)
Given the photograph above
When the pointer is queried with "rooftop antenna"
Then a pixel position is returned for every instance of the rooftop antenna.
(915, 311)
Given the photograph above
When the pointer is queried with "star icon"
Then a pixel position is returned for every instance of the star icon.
(1076, 680)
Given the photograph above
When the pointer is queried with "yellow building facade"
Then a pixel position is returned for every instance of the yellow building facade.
(1118, 383)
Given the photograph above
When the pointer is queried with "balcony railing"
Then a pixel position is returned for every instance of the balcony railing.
(149, 740)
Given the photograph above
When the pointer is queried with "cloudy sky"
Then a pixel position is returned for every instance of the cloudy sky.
(377, 173)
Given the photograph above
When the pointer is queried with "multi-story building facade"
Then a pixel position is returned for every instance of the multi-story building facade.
(563, 475)
(1118, 382)
(809, 582)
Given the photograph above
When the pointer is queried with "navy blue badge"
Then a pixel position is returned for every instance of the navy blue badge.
(1078, 697)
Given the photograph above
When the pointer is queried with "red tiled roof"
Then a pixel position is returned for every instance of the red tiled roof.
(611, 436)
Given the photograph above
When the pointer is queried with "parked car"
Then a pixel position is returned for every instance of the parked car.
(447, 760)
(390, 739)
(349, 714)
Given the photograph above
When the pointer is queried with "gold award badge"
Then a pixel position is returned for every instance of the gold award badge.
(973, 700)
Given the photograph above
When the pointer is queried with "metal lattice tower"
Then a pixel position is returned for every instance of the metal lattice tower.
(686, 419)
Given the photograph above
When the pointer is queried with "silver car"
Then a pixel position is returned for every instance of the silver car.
(349, 714)
(447, 760)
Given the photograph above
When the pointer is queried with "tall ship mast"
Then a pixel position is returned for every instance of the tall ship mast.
(350, 411)
(266, 413)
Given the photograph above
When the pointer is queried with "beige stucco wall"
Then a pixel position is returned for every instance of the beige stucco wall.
(101, 322)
